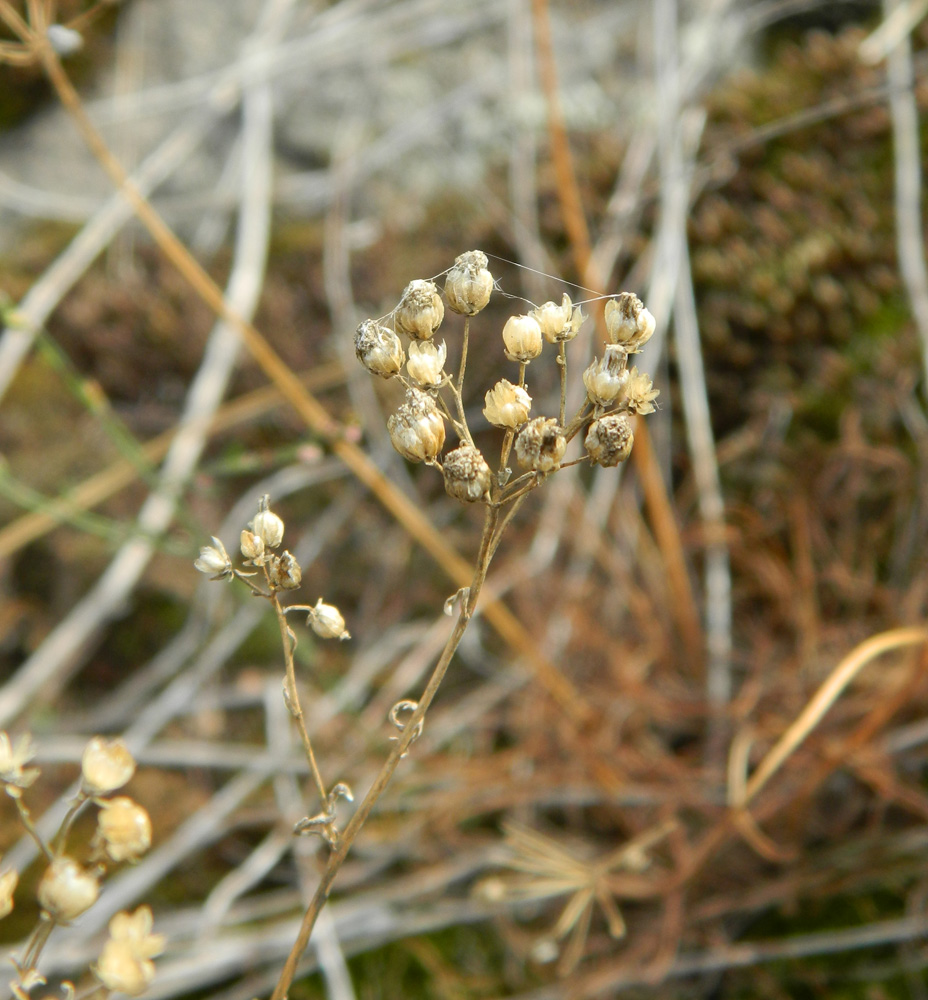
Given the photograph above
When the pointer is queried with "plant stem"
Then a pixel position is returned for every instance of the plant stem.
(562, 366)
(293, 698)
(26, 820)
(347, 837)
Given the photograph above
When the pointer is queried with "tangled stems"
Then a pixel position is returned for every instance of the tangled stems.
(488, 543)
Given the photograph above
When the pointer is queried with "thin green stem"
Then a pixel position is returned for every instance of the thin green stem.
(409, 733)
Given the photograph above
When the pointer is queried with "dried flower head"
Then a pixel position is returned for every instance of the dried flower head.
(541, 444)
(426, 364)
(327, 622)
(559, 323)
(467, 475)
(8, 882)
(609, 439)
(522, 338)
(640, 393)
(420, 311)
(123, 829)
(66, 889)
(125, 962)
(379, 349)
(252, 547)
(469, 283)
(106, 765)
(267, 525)
(628, 322)
(417, 429)
(284, 572)
(214, 561)
(606, 379)
(507, 405)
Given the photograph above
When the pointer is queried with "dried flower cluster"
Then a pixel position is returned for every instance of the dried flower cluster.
(418, 426)
(69, 887)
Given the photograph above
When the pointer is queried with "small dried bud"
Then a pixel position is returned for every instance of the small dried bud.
(522, 338)
(379, 349)
(417, 429)
(12, 772)
(267, 525)
(214, 561)
(640, 393)
(469, 283)
(125, 964)
(106, 765)
(628, 322)
(559, 322)
(426, 364)
(284, 572)
(123, 829)
(8, 882)
(609, 439)
(541, 444)
(67, 890)
(252, 546)
(507, 405)
(327, 622)
(467, 475)
(420, 311)
(605, 380)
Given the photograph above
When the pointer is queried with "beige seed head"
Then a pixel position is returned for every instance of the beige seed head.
(420, 311)
(522, 338)
(426, 363)
(106, 765)
(214, 561)
(609, 439)
(628, 322)
(66, 889)
(559, 323)
(379, 349)
(8, 882)
(469, 283)
(125, 962)
(327, 622)
(606, 379)
(417, 429)
(507, 405)
(466, 473)
(267, 525)
(541, 444)
(123, 829)
(640, 393)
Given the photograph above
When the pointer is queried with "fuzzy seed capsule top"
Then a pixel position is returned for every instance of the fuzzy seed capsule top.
(417, 429)
(379, 349)
(420, 311)
(541, 444)
(467, 475)
(469, 283)
(609, 439)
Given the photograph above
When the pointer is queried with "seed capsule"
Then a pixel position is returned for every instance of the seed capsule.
(559, 323)
(640, 393)
(609, 439)
(123, 829)
(426, 364)
(67, 890)
(628, 322)
(106, 765)
(327, 622)
(507, 405)
(541, 444)
(417, 429)
(606, 379)
(522, 338)
(467, 475)
(379, 349)
(420, 311)
(469, 283)
(214, 561)
(267, 525)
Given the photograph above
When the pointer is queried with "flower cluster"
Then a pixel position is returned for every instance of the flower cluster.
(434, 398)
(69, 887)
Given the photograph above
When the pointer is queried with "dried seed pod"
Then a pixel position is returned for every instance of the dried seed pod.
(123, 829)
(214, 561)
(541, 444)
(420, 311)
(252, 546)
(507, 405)
(628, 322)
(469, 283)
(8, 882)
(66, 889)
(609, 439)
(640, 393)
(559, 323)
(284, 572)
(426, 364)
(467, 475)
(267, 525)
(417, 429)
(379, 349)
(605, 380)
(327, 622)
(125, 963)
(106, 765)
(522, 338)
